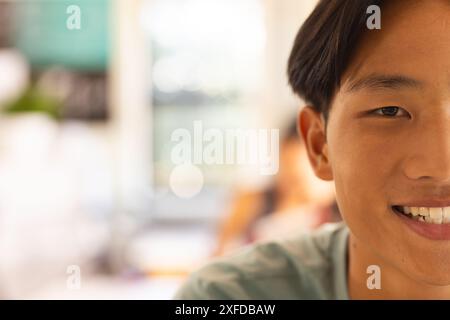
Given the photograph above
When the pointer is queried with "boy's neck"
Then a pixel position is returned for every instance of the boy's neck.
(393, 283)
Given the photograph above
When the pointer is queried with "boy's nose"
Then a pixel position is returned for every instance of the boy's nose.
(430, 159)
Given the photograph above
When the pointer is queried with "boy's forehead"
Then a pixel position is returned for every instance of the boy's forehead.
(414, 39)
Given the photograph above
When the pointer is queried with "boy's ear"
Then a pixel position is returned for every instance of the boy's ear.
(312, 129)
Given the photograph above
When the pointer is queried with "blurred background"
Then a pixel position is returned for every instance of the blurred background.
(97, 95)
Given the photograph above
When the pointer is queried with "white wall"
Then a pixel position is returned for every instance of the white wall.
(284, 18)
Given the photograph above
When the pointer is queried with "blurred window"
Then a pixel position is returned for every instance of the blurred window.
(207, 58)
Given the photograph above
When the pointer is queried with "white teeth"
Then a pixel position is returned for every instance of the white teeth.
(414, 210)
(431, 215)
(436, 215)
(446, 212)
(423, 211)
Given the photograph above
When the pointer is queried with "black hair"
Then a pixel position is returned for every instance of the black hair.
(323, 48)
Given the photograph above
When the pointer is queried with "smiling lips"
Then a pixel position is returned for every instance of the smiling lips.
(434, 215)
(430, 222)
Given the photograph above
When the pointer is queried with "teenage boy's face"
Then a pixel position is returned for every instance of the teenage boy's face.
(399, 155)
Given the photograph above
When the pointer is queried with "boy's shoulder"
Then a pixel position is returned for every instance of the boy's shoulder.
(309, 266)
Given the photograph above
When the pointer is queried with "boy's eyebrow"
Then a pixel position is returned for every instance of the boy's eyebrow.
(381, 81)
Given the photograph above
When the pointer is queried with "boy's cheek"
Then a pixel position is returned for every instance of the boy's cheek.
(361, 190)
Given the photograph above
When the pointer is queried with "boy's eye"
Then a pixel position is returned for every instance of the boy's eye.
(390, 111)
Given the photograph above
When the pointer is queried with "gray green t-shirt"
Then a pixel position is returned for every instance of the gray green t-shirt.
(309, 266)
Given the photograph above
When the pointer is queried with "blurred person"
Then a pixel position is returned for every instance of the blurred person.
(295, 200)
(377, 123)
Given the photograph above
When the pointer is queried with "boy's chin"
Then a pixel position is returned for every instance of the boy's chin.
(441, 278)
(431, 267)
(438, 283)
